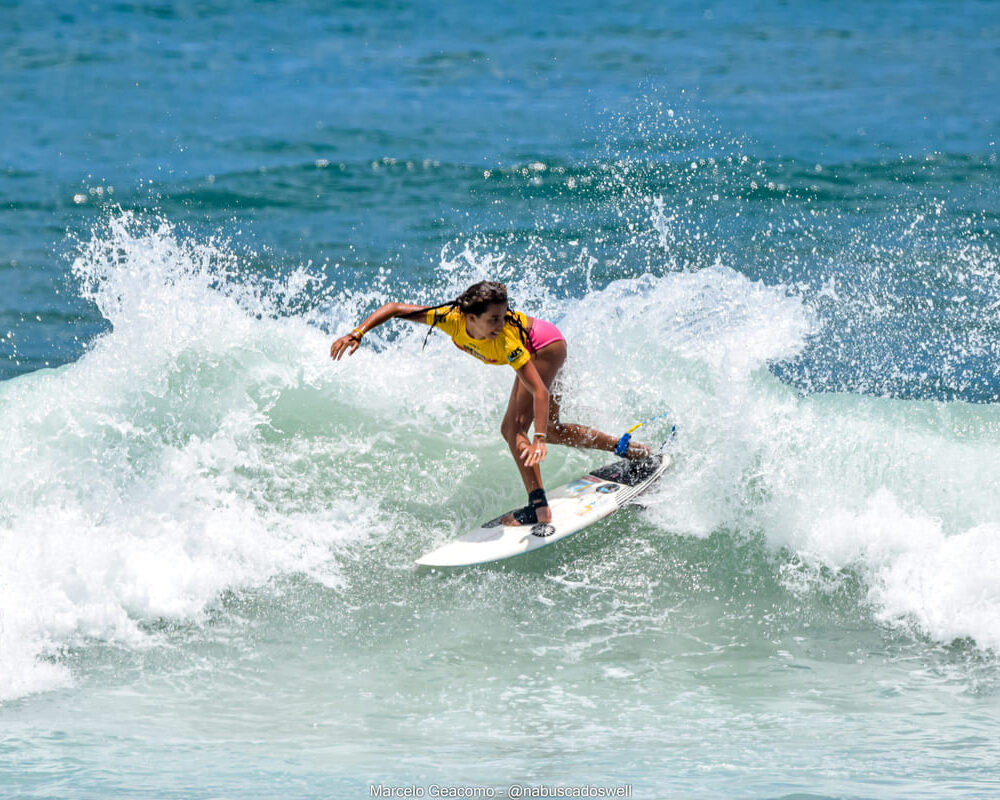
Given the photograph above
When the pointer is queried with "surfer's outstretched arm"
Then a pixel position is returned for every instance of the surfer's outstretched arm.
(352, 341)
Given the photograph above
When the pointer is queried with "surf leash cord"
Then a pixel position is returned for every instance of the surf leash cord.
(622, 447)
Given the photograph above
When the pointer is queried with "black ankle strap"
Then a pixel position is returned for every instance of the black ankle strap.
(537, 498)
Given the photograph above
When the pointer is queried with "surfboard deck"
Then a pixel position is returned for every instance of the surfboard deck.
(575, 505)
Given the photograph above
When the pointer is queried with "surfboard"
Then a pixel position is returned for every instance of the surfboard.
(575, 505)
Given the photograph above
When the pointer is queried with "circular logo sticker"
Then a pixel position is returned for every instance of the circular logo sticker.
(543, 529)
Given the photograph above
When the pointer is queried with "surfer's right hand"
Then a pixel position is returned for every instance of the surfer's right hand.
(348, 343)
(534, 453)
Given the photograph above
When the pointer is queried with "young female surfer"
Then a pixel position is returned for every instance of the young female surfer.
(480, 322)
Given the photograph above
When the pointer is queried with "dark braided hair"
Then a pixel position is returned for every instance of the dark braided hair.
(475, 300)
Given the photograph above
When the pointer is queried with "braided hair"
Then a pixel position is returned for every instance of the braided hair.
(475, 300)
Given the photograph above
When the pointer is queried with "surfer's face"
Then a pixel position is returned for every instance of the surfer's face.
(489, 324)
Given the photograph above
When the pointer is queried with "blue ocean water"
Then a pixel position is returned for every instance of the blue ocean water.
(778, 220)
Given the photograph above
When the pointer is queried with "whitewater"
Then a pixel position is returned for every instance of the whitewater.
(206, 443)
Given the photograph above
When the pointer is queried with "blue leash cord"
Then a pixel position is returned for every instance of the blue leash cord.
(622, 447)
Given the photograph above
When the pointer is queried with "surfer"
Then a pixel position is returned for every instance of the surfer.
(480, 322)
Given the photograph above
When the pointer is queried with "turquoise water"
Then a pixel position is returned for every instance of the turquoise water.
(777, 221)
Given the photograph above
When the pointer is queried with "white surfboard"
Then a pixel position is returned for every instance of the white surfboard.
(575, 506)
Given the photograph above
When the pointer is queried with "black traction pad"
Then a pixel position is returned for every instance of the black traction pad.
(631, 473)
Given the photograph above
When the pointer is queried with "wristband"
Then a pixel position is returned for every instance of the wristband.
(542, 435)
(359, 333)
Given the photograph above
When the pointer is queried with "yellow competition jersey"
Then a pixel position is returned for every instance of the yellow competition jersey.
(507, 348)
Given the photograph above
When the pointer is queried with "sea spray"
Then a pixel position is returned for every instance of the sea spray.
(139, 482)
(206, 442)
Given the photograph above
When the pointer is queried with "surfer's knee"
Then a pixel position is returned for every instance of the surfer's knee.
(556, 433)
(511, 427)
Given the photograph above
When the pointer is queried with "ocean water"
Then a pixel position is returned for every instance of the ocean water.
(778, 221)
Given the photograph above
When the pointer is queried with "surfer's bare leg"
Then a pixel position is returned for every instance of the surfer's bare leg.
(514, 428)
(519, 416)
(572, 434)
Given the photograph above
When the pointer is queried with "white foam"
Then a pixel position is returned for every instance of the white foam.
(145, 479)
(916, 574)
(138, 483)
(904, 492)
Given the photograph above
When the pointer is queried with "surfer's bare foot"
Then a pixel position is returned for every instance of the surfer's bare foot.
(536, 511)
(543, 515)
(637, 452)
